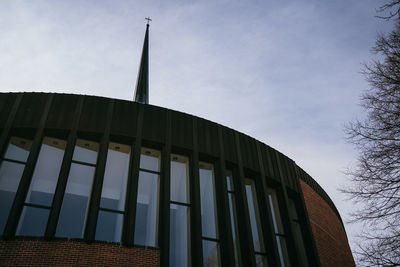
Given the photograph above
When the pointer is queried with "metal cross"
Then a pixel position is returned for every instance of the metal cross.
(148, 19)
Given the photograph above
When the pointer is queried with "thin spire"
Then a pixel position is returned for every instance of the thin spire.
(142, 83)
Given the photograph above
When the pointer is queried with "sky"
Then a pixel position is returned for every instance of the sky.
(292, 66)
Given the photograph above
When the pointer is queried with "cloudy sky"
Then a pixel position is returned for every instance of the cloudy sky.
(292, 66)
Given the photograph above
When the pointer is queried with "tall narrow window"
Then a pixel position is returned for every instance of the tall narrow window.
(11, 169)
(298, 237)
(146, 226)
(179, 245)
(255, 224)
(113, 194)
(38, 201)
(71, 222)
(278, 227)
(211, 254)
(232, 213)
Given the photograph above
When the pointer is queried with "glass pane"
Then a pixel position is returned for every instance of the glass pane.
(232, 211)
(150, 159)
(18, 149)
(76, 199)
(86, 151)
(115, 177)
(109, 226)
(33, 221)
(10, 176)
(229, 181)
(211, 255)
(207, 200)
(261, 260)
(282, 251)
(45, 176)
(254, 216)
(146, 225)
(179, 179)
(276, 217)
(179, 243)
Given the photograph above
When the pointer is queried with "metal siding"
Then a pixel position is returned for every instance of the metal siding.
(124, 119)
(94, 114)
(6, 103)
(154, 123)
(61, 113)
(208, 137)
(249, 152)
(182, 130)
(266, 160)
(274, 163)
(30, 110)
(228, 138)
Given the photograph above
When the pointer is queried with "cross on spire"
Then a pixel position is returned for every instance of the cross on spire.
(148, 20)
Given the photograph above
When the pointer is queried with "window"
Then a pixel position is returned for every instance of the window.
(146, 225)
(298, 237)
(11, 170)
(38, 201)
(211, 255)
(179, 246)
(255, 224)
(113, 194)
(232, 213)
(72, 218)
(278, 227)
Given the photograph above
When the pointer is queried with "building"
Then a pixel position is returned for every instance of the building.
(93, 181)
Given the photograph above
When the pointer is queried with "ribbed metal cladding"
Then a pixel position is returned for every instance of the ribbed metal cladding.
(102, 120)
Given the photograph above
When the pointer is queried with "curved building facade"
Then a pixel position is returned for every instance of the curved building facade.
(93, 181)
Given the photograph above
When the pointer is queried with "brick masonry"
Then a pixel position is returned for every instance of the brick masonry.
(329, 234)
(23, 252)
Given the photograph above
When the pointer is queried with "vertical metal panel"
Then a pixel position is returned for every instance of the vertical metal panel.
(165, 185)
(224, 222)
(64, 172)
(94, 114)
(309, 241)
(133, 180)
(6, 105)
(60, 115)
(195, 212)
(208, 137)
(94, 203)
(124, 119)
(29, 114)
(265, 213)
(246, 241)
(182, 130)
(284, 211)
(229, 144)
(7, 126)
(154, 123)
(20, 195)
(249, 152)
(269, 171)
(274, 164)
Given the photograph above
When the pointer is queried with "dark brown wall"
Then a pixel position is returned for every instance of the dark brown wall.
(72, 253)
(329, 234)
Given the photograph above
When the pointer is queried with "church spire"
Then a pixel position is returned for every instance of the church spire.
(142, 83)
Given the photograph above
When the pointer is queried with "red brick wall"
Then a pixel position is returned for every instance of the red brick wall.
(73, 253)
(329, 234)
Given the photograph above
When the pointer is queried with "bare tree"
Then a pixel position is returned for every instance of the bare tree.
(375, 180)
